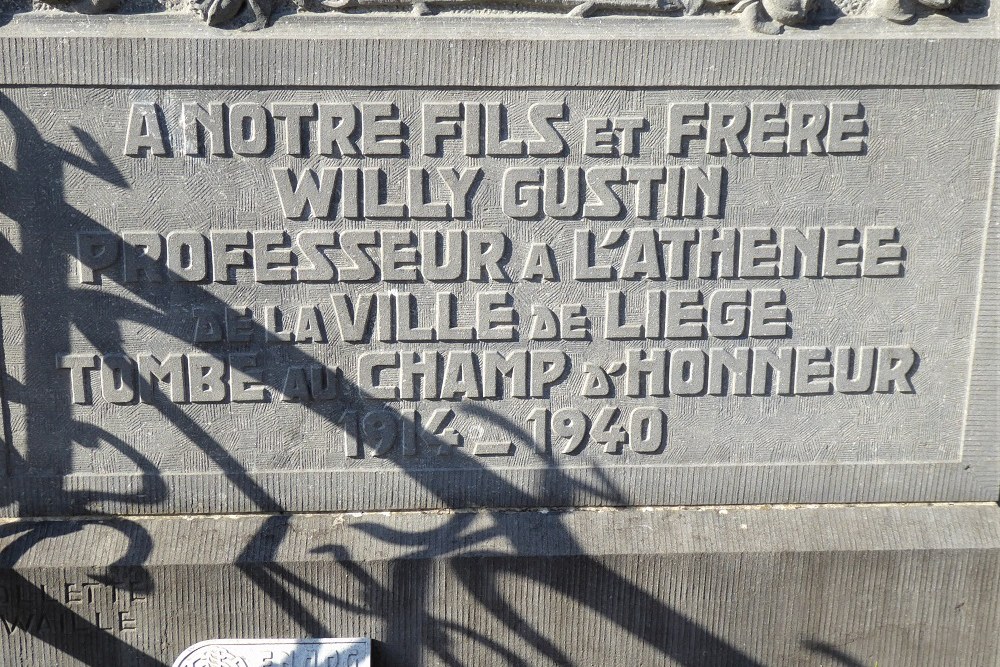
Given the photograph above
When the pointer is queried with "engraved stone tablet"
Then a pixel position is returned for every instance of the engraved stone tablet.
(285, 652)
(320, 269)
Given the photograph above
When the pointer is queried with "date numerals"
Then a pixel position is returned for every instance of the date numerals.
(571, 430)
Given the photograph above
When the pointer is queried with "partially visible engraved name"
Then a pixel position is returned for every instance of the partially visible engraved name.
(99, 604)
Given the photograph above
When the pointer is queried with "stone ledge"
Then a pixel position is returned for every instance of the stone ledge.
(177, 50)
(831, 585)
(221, 539)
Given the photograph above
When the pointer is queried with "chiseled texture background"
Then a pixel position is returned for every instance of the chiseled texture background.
(926, 172)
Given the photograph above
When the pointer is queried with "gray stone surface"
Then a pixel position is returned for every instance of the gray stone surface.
(149, 400)
(135, 248)
(844, 586)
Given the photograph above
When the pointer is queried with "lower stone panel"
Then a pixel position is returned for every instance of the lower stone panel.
(830, 585)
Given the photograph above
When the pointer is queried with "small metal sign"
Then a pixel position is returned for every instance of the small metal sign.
(352, 652)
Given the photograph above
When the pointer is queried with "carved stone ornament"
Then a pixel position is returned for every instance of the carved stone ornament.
(355, 652)
(214, 656)
(761, 16)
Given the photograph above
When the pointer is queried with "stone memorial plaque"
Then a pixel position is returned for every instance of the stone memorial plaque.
(355, 264)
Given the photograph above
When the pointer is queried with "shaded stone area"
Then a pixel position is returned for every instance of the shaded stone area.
(69, 457)
(910, 585)
(913, 585)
